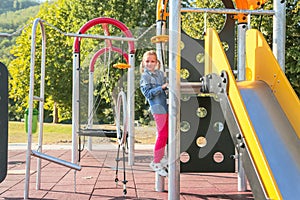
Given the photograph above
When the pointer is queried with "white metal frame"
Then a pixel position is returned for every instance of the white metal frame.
(174, 101)
(30, 102)
(39, 98)
(130, 108)
(75, 105)
(76, 100)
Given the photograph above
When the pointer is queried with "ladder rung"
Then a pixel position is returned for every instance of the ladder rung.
(38, 98)
(56, 160)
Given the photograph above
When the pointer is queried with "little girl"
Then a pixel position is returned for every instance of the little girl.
(153, 88)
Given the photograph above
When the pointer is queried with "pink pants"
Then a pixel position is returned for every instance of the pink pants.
(161, 121)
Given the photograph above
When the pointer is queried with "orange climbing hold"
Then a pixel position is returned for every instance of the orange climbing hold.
(121, 66)
(160, 38)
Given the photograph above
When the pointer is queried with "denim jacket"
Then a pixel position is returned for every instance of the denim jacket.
(151, 83)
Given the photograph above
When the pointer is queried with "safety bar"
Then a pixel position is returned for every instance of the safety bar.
(190, 87)
(56, 160)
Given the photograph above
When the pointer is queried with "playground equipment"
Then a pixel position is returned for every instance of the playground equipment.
(123, 105)
(38, 153)
(130, 89)
(258, 116)
(3, 120)
(89, 131)
(203, 134)
(128, 117)
(265, 177)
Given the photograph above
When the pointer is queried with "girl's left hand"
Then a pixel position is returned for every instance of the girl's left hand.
(164, 86)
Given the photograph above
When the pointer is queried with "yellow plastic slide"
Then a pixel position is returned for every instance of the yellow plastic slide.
(267, 111)
(262, 65)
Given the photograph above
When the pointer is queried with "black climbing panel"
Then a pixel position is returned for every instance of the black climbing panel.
(206, 144)
(3, 121)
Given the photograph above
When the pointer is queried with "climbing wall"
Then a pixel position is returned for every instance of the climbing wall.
(206, 144)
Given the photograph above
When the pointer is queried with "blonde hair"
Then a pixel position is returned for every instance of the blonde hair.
(148, 53)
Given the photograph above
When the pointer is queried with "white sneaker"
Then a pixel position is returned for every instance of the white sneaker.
(164, 162)
(163, 172)
(157, 167)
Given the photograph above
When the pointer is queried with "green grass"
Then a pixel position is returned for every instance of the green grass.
(53, 133)
(62, 133)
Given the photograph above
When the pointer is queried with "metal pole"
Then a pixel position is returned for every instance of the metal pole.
(159, 183)
(130, 106)
(228, 11)
(75, 111)
(5, 35)
(159, 180)
(55, 160)
(30, 109)
(241, 76)
(75, 106)
(174, 101)
(279, 32)
(41, 105)
(241, 51)
(102, 37)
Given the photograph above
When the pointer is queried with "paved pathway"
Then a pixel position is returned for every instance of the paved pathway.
(96, 179)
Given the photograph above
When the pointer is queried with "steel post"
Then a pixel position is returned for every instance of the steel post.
(279, 32)
(75, 106)
(30, 102)
(174, 101)
(160, 180)
(41, 104)
(228, 11)
(241, 51)
(130, 106)
(241, 76)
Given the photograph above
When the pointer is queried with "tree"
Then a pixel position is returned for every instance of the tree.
(68, 16)
(13, 5)
(10, 22)
(293, 44)
(265, 25)
(193, 24)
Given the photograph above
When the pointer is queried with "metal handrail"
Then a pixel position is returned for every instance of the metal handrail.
(228, 11)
